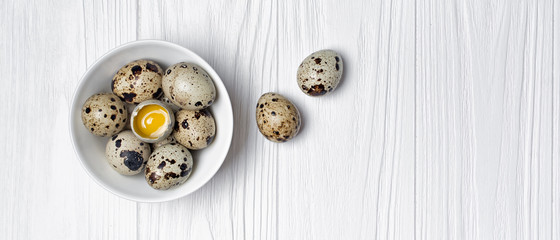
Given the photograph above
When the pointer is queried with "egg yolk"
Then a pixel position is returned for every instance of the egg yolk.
(151, 121)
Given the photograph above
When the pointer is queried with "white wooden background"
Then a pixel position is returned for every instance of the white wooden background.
(446, 125)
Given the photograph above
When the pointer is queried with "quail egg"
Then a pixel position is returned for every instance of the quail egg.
(278, 119)
(104, 114)
(126, 153)
(169, 165)
(194, 129)
(188, 86)
(138, 81)
(320, 73)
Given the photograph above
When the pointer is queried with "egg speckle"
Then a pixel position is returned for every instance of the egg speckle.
(126, 154)
(278, 119)
(320, 73)
(194, 129)
(188, 86)
(168, 166)
(104, 114)
(138, 81)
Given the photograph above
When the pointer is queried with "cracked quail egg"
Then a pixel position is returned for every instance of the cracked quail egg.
(152, 121)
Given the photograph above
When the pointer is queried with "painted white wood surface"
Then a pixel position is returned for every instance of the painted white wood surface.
(446, 125)
(556, 124)
(483, 120)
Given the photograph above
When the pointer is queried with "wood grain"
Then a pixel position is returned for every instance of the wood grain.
(106, 25)
(239, 202)
(555, 190)
(484, 80)
(355, 178)
(446, 124)
(46, 193)
(295, 190)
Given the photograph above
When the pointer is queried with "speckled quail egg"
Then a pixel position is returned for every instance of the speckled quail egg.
(104, 114)
(188, 86)
(194, 129)
(171, 105)
(320, 72)
(278, 119)
(138, 81)
(169, 139)
(169, 165)
(126, 153)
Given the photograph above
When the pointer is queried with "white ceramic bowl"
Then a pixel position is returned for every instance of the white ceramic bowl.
(91, 149)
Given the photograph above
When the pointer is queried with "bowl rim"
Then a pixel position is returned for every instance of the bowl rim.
(80, 86)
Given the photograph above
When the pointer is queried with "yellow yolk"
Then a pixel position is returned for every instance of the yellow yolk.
(151, 121)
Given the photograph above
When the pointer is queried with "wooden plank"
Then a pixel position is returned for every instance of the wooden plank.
(350, 172)
(46, 47)
(556, 125)
(108, 24)
(483, 119)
